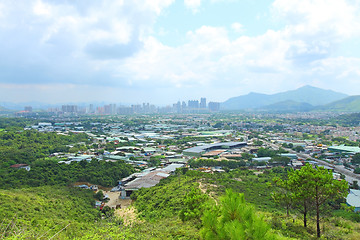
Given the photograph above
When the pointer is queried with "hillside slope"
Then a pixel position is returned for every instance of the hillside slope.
(349, 104)
(32, 212)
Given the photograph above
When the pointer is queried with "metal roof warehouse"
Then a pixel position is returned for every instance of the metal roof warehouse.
(198, 150)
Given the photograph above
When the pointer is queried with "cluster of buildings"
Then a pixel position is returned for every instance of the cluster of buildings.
(174, 139)
(192, 106)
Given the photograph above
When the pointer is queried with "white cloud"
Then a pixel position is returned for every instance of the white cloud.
(42, 9)
(111, 43)
(193, 4)
(237, 27)
(69, 37)
(335, 18)
(287, 57)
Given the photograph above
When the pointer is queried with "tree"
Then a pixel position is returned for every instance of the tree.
(284, 196)
(325, 188)
(299, 149)
(234, 219)
(313, 188)
(265, 152)
(108, 211)
(284, 161)
(356, 159)
(355, 185)
(99, 195)
(247, 156)
(258, 143)
(284, 145)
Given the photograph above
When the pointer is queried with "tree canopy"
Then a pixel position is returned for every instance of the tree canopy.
(311, 188)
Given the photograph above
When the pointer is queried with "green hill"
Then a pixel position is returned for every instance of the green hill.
(173, 209)
(349, 104)
(307, 94)
(59, 213)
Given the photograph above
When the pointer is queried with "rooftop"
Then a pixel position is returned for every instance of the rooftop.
(353, 199)
(344, 148)
(200, 149)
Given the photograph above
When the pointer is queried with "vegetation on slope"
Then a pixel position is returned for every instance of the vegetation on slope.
(28, 146)
(174, 209)
(49, 172)
(168, 200)
(42, 212)
(349, 104)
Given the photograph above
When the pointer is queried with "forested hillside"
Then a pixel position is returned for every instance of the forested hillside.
(50, 172)
(28, 146)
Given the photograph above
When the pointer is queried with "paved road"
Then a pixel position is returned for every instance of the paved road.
(349, 175)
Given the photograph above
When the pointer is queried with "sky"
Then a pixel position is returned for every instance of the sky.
(162, 51)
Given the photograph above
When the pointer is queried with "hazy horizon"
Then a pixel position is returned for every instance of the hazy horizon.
(164, 51)
(119, 103)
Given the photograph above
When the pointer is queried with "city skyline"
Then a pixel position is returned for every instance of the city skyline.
(191, 106)
(164, 51)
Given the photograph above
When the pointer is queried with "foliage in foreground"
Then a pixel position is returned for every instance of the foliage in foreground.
(234, 219)
(45, 211)
(166, 211)
(67, 213)
(310, 188)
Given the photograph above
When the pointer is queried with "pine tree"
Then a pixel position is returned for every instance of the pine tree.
(312, 188)
(234, 219)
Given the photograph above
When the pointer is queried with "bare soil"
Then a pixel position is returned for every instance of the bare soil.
(128, 215)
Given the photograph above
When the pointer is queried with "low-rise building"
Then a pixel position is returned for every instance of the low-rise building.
(21, 166)
(353, 199)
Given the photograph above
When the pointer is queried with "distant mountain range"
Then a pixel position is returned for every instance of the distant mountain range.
(303, 99)
(307, 94)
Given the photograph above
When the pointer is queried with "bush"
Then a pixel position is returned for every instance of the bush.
(99, 195)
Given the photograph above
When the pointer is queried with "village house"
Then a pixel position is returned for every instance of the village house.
(21, 166)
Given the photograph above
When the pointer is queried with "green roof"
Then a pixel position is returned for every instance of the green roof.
(343, 148)
(178, 160)
(149, 149)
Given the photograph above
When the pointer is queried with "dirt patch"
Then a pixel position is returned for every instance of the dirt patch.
(238, 179)
(128, 215)
(114, 199)
(257, 173)
(203, 189)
